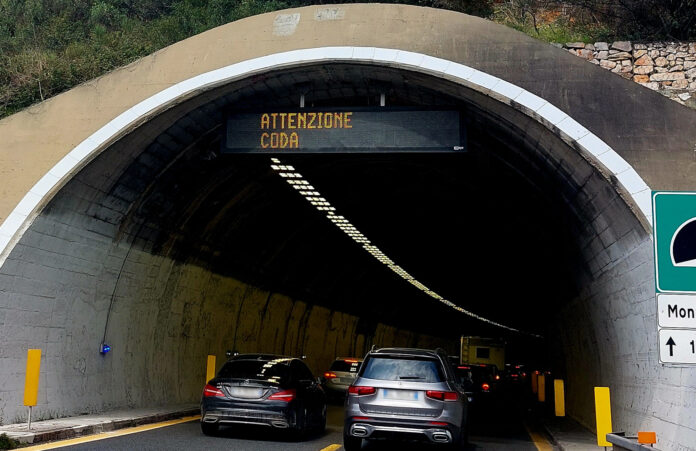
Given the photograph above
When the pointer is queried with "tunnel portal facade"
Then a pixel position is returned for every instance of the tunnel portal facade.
(123, 221)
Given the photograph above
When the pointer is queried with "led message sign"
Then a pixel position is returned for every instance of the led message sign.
(343, 131)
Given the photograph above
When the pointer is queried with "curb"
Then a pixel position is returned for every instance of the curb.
(552, 438)
(69, 432)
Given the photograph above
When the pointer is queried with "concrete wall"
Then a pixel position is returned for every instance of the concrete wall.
(55, 294)
(611, 108)
(607, 337)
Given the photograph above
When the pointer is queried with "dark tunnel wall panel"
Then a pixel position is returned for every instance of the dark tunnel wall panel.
(166, 318)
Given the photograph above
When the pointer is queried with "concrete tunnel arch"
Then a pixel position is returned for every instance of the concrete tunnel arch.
(615, 173)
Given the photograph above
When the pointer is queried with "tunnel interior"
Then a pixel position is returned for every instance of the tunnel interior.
(459, 222)
(170, 250)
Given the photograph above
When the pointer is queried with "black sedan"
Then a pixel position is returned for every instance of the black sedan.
(264, 390)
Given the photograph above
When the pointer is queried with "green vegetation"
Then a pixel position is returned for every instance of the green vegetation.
(49, 46)
(7, 443)
(548, 22)
(600, 20)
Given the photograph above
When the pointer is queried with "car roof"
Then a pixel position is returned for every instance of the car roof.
(406, 351)
(262, 357)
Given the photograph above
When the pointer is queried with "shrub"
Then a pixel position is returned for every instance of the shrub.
(7, 443)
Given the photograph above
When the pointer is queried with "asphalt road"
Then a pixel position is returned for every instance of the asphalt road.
(498, 426)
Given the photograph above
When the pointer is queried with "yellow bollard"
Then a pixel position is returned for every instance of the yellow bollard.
(603, 412)
(541, 384)
(535, 378)
(559, 397)
(210, 369)
(31, 381)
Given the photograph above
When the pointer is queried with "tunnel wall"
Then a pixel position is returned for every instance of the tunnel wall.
(607, 337)
(166, 317)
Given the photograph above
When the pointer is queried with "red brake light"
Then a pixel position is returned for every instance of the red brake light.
(361, 418)
(438, 423)
(442, 395)
(330, 375)
(285, 395)
(463, 367)
(350, 361)
(360, 390)
(209, 391)
(485, 386)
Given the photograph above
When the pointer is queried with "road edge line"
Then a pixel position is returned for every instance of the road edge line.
(110, 434)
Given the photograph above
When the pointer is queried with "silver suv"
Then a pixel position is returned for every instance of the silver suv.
(403, 393)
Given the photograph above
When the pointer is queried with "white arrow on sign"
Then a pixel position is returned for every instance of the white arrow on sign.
(676, 310)
(677, 346)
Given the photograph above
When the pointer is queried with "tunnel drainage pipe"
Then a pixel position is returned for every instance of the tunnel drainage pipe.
(314, 197)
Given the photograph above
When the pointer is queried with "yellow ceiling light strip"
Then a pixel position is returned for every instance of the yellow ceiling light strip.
(310, 193)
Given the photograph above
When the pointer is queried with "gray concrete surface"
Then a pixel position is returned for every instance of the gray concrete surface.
(568, 435)
(83, 425)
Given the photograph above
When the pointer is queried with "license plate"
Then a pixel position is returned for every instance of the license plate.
(245, 392)
(346, 380)
(401, 395)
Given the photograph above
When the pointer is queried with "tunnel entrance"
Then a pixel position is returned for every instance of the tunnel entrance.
(170, 249)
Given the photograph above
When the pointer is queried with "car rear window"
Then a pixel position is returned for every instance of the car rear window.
(402, 369)
(275, 371)
(348, 366)
(476, 374)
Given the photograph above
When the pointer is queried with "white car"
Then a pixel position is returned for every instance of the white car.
(341, 374)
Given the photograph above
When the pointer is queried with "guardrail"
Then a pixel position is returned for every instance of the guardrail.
(620, 443)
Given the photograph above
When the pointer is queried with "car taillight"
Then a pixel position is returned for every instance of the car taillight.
(360, 390)
(285, 395)
(439, 423)
(442, 395)
(463, 367)
(330, 375)
(210, 391)
(485, 386)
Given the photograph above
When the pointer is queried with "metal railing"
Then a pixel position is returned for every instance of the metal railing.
(620, 443)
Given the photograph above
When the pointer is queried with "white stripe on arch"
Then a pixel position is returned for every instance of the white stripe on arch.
(600, 154)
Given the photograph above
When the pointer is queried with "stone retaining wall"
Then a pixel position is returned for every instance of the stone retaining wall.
(666, 67)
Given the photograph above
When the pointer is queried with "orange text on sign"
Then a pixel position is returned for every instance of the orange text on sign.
(308, 120)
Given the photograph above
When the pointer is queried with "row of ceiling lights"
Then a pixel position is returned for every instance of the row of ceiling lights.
(311, 194)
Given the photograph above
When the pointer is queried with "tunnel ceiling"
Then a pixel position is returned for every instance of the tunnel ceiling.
(486, 228)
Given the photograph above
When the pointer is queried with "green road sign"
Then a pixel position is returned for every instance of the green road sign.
(674, 233)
